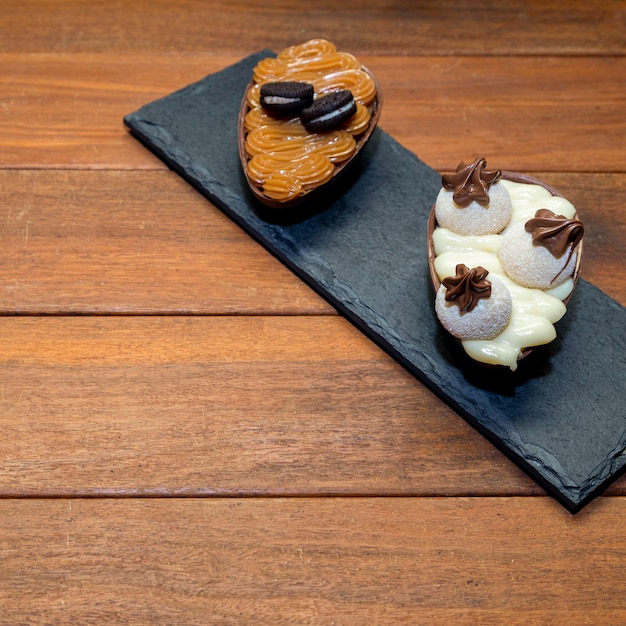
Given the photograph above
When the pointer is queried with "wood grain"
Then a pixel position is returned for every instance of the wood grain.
(404, 27)
(311, 561)
(132, 242)
(66, 111)
(150, 349)
(145, 242)
(226, 406)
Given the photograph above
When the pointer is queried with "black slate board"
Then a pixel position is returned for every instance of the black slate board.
(561, 416)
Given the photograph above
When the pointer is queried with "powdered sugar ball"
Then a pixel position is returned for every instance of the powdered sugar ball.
(488, 318)
(530, 264)
(475, 219)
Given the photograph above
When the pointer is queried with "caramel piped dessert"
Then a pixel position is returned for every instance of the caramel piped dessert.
(282, 160)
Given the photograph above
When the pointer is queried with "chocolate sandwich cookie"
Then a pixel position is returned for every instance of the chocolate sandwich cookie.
(286, 98)
(328, 111)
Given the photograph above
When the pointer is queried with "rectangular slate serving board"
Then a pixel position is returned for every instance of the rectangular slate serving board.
(561, 416)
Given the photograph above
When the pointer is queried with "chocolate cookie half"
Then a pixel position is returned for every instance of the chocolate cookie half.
(287, 97)
(328, 111)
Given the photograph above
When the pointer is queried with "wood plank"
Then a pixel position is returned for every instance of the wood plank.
(447, 27)
(262, 405)
(312, 561)
(227, 406)
(133, 242)
(146, 242)
(65, 111)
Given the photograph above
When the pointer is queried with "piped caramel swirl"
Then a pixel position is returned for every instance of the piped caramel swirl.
(467, 287)
(284, 159)
(471, 183)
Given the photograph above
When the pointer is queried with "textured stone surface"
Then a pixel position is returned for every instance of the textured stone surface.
(561, 416)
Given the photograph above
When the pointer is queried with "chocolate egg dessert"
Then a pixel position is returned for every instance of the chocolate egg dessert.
(504, 253)
(305, 116)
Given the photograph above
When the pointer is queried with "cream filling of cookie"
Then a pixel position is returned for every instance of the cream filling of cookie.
(279, 99)
(535, 311)
(334, 113)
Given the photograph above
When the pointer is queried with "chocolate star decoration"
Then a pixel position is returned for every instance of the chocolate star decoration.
(467, 287)
(555, 232)
(471, 183)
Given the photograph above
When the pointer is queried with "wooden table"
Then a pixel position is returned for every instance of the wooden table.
(190, 435)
